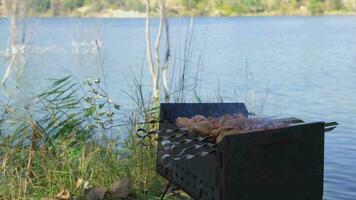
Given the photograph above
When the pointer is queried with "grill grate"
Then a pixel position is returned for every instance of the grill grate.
(283, 163)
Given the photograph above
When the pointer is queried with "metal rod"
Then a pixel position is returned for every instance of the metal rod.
(187, 141)
(329, 129)
(196, 147)
(330, 126)
(166, 190)
(191, 156)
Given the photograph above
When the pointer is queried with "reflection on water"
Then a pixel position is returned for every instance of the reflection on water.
(297, 66)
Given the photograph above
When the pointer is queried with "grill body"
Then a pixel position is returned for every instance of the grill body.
(279, 164)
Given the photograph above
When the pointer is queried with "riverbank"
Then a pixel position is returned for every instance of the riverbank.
(85, 12)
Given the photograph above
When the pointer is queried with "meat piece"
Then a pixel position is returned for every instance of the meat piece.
(215, 132)
(198, 118)
(219, 127)
(184, 122)
(202, 128)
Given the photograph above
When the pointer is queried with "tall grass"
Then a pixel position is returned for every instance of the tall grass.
(68, 134)
(60, 139)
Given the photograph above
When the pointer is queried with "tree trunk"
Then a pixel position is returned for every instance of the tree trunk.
(156, 68)
(166, 59)
(153, 72)
(16, 12)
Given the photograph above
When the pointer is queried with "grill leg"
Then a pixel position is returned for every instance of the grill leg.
(166, 190)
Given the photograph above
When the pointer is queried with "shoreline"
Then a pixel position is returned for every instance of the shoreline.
(183, 16)
(120, 14)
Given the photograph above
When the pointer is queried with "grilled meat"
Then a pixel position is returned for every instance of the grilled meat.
(218, 127)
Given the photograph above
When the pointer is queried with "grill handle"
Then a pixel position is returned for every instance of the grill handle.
(329, 126)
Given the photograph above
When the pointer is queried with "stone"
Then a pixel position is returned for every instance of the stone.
(119, 189)
(94, 193)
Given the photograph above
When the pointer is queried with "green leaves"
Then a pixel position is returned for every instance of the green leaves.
(99, 105)
(117, 107)
(90, 111)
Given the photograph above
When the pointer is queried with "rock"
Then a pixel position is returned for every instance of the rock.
(181, 194)
(64, 195)
(94, 193)
(119, 189)
(82, 184)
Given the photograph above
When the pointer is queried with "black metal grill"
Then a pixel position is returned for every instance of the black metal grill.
(284, 163)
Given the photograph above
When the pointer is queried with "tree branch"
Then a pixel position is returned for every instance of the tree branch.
(166, 58)
(148, 39)
(154, 72)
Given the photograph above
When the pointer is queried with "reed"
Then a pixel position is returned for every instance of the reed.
(53, 145)
(69, 134)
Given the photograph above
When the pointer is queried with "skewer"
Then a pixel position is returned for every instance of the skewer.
(330, 126)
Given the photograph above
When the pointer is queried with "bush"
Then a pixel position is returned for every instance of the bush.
(69, 5)
(41, 6)
(315, 7)
(337, 4)
(96, 7)
(133, 5)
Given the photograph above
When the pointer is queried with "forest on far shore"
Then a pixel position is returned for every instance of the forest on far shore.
(197, 7)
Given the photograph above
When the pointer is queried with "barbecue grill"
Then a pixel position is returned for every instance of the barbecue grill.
(279, 164)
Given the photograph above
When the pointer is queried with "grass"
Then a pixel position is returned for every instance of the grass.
(67, 135)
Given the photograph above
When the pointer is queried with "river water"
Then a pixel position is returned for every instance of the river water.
(280, 66)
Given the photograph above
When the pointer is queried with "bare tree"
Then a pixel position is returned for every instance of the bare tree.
(156, 67)
(16, 13)
(166, 57)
